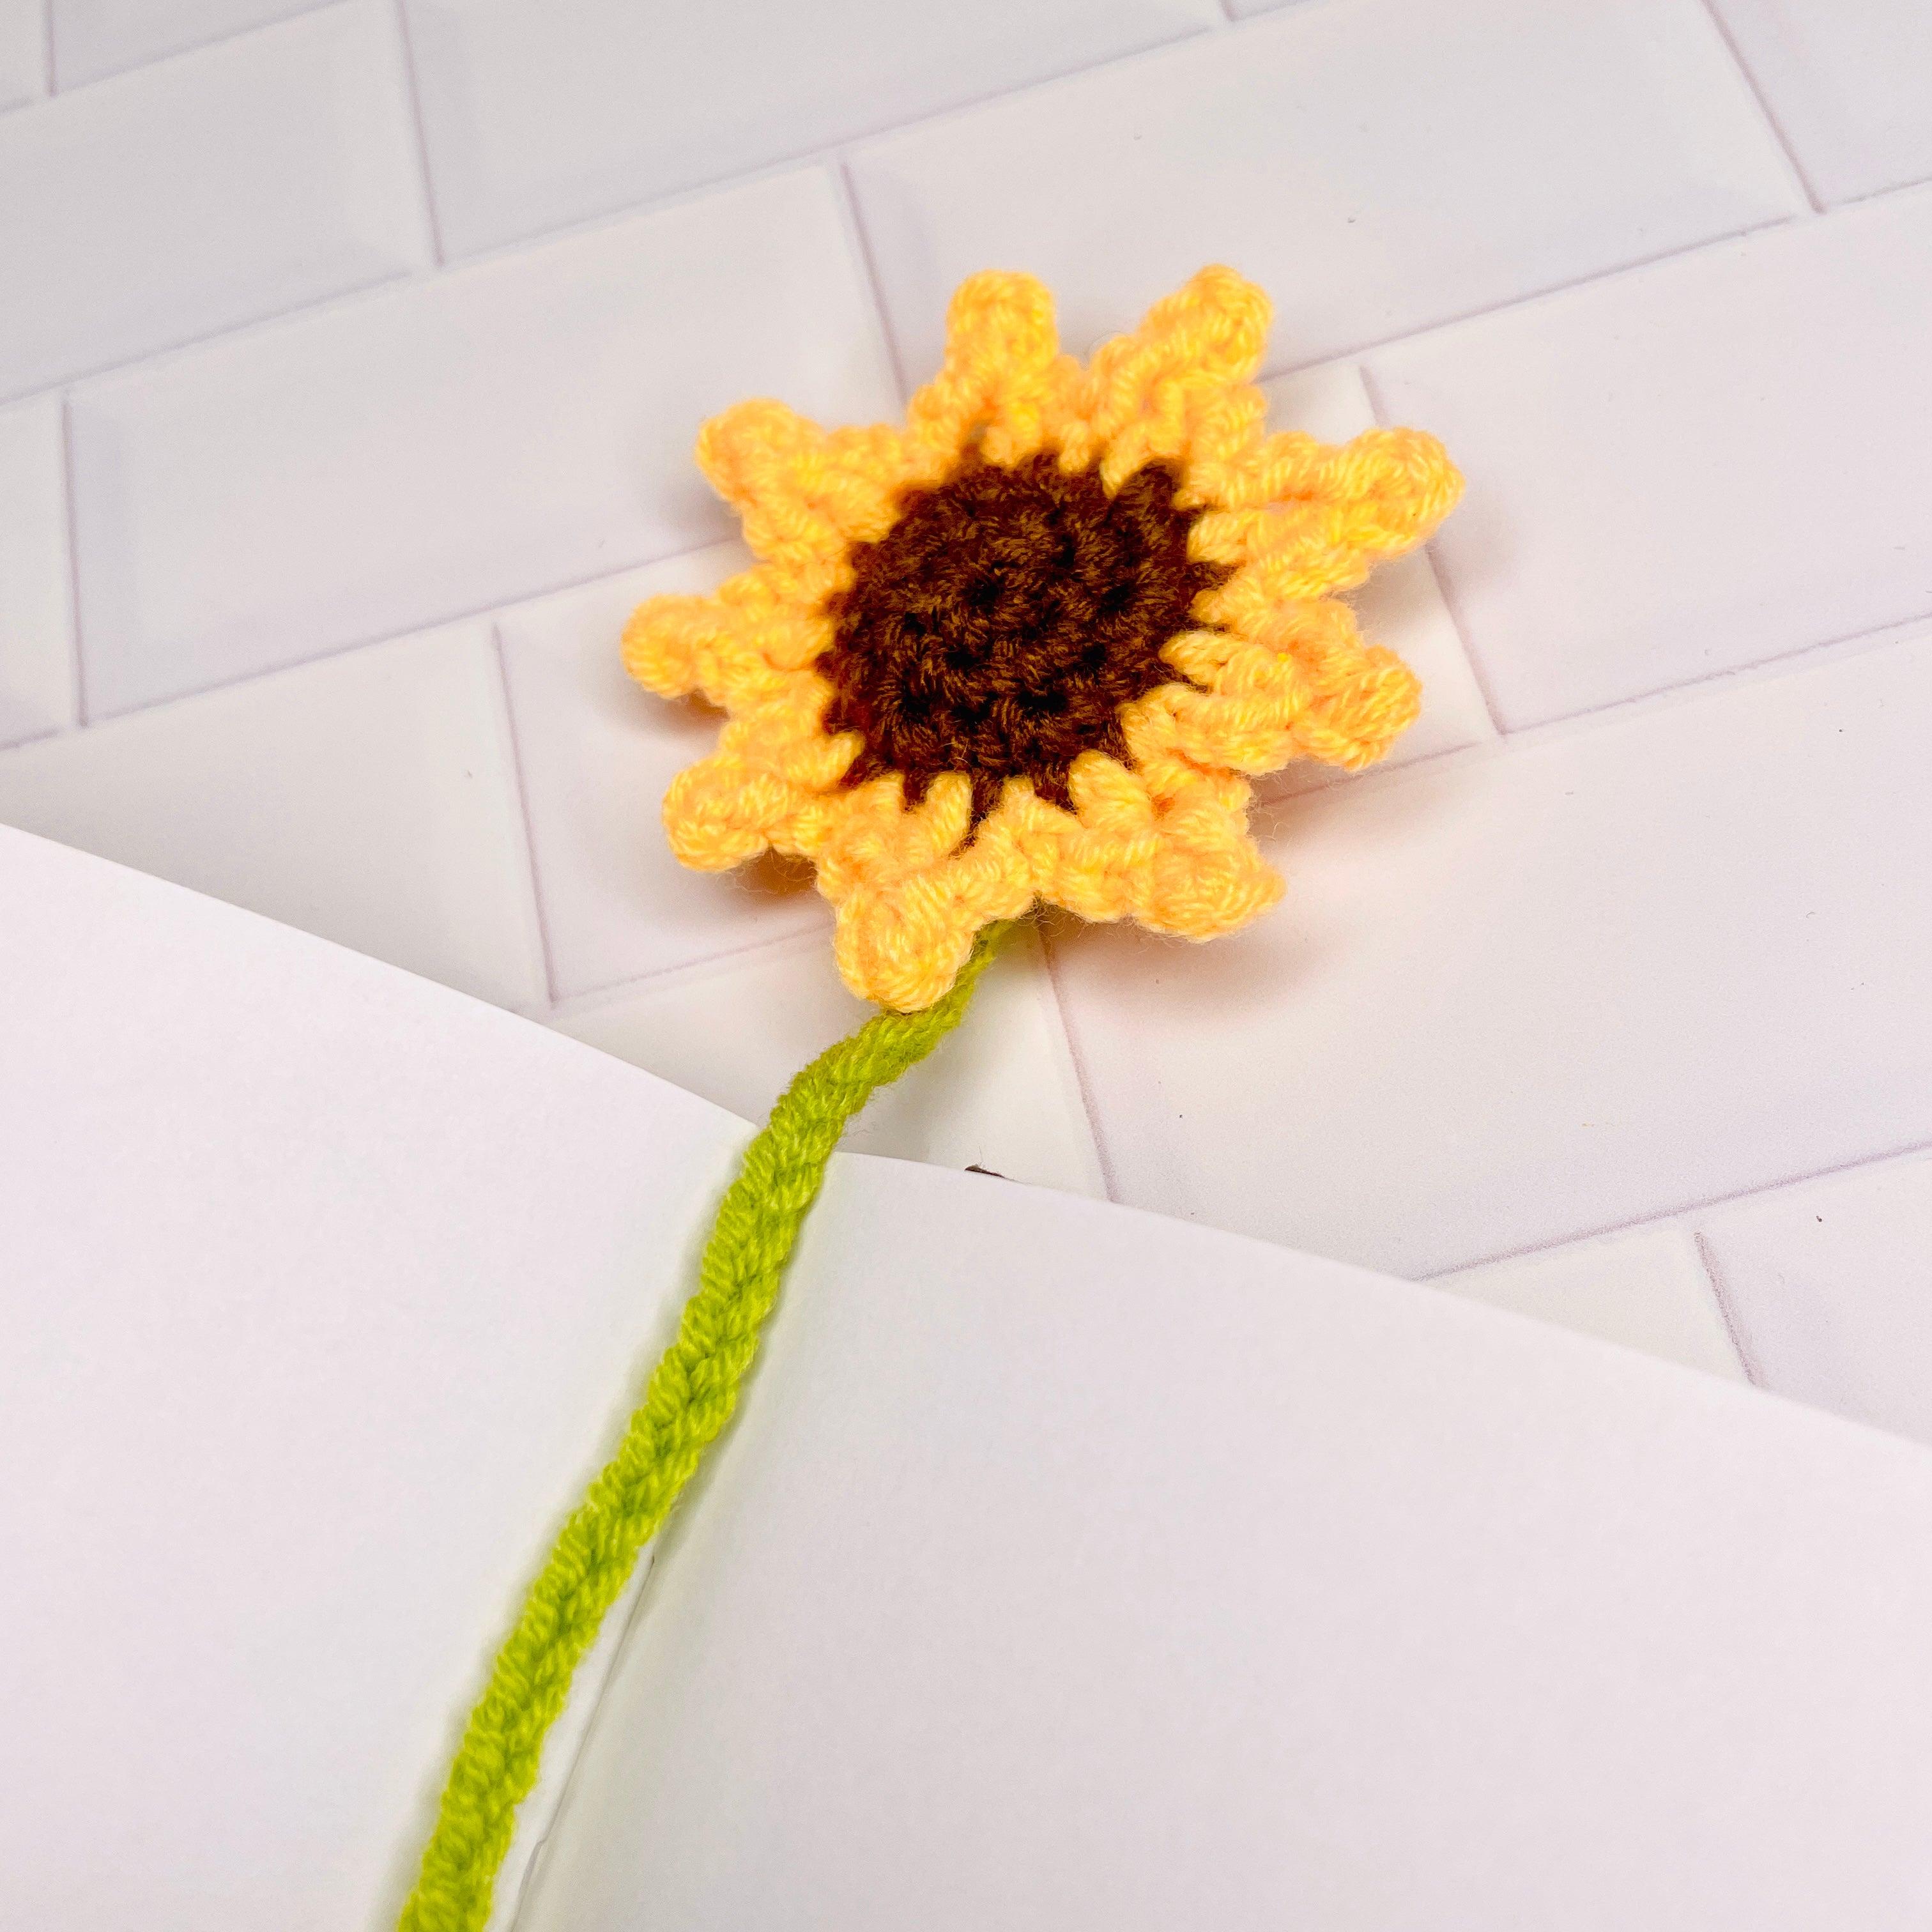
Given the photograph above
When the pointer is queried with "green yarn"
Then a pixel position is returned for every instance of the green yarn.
(689, 1398)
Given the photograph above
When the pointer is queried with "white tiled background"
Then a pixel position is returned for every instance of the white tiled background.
(350, 358)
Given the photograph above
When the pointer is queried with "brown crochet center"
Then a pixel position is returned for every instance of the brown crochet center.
(1001, 624)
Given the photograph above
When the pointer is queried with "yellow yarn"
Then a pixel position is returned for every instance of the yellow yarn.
(1276, 670)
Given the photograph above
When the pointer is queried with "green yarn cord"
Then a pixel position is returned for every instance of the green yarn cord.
(688, 1399)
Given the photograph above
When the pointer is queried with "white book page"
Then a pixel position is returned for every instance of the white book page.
(1069, 1567)
(1067, 1564)
(324, 1291)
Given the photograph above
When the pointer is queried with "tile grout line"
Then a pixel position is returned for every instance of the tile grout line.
(192, 48)
(1727, 1312)
(78, 710)
(1451, 603)
(1459, 621)
(475, 613)
(1799, 658)
(1757, 95)
(836, 154)
(1595, 278)
(532, 872)
(1880, 193)
(399, 13)
(1508, 743)
(571, 1006)
(161, 353)
(861, 243)
(1683, 1218)
(391, 281)
(1083, 1079)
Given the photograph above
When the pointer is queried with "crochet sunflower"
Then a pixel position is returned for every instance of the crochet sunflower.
(1029, 646)
(1032, 645)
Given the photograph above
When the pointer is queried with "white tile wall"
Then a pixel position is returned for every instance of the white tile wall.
(1514, 998)
(1539, 987)
(37, 675)
(371, 799)
(597, 753)
(538, 115)
(1001, 1093)
(1850, 83)
(1702, 465)
(505, 429)
(129, 221)
(1831, 1287)
(1647, 1290)
(23, 60)
(93, 38)
(1379, 166)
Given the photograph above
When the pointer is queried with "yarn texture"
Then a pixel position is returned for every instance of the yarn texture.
(1032, 645)
(689, 1398)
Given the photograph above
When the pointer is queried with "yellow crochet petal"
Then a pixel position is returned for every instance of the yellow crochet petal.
(1302, 671)
(1156, 740)
(1198, 656)
(1185, 865)
(785, 736)
(1004, 382)
(1319, 517)
(734, 652)
(909, 905)
(805, 496)
(723, 810)
(1090, 860)
(903, 946)
(774, 763)
(883, 841)
(1207, 876)
(1182, 374)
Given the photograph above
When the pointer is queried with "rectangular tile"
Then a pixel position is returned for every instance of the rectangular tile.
(370, 799)
(23, 59)
(236, 182)
(1700, 466)
(1831, 1285)
(471, 438)
(37, 677)
(1378, 165)
(1521, 996)
(1400, 607)
(1647, 1291)
(1001, 1093)
(1847, 80)
(597, 753)
(94, 38)
(536, 115)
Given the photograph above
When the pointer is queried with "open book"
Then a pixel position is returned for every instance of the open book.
(1065, 1566)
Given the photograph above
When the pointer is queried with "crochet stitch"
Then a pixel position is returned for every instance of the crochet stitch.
(689, 1398)
(998, 627)
(1032, 645)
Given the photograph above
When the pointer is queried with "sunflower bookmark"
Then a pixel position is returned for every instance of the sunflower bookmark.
(1028, 649)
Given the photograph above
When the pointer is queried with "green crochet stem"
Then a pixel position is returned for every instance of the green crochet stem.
(689, 1398)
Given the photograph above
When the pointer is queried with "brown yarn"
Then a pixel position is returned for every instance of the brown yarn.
(1001, 624)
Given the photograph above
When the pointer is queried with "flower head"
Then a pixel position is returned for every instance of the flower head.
(1032, 645)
